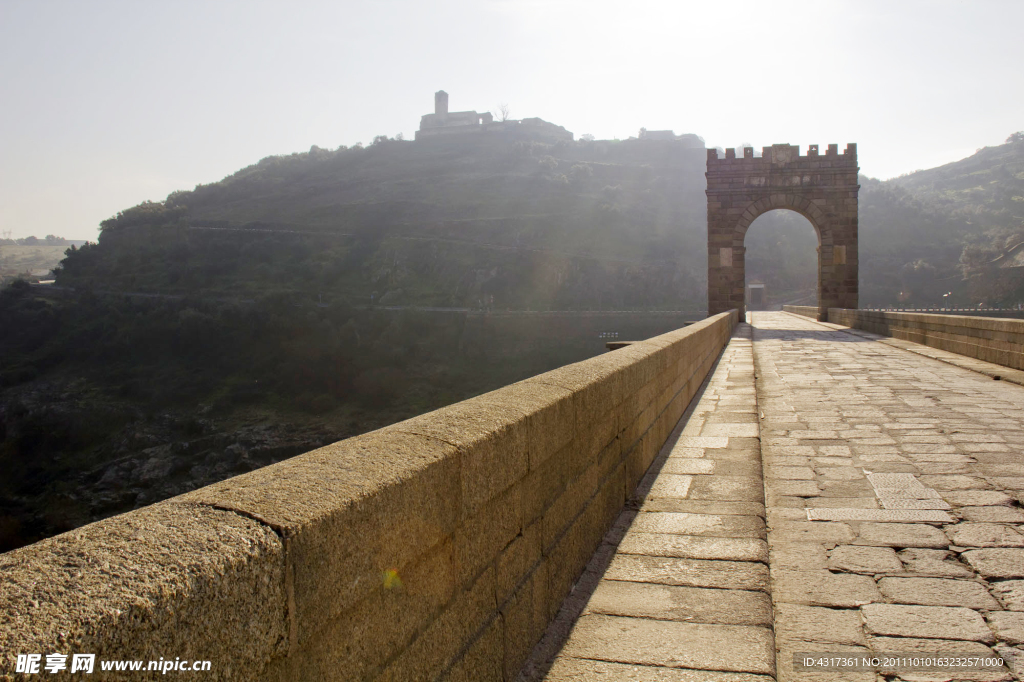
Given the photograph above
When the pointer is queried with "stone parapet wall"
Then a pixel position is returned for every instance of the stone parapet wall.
(990, 339)
(805, 310)
(437, 548)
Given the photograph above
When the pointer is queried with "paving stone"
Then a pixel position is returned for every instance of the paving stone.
(737, 467)
(670, 485)
(871, 560)
(881, 515)
(835, 462)
(688, 465)
(934, 562)
(984, 535)
(894, 481)
(688, 506)
(917, 645)
(902, 503)
(901, 535)
(927, 622)
(993, 514)
(1009, 626)
(731, 488)
(735, 648)
(840, 473)
(846, 502)
(699, 524)
(954, 482)
(1007, 482)
(822, 588)
(823, 532)
(996, 562)
(731, 430)
(795, 488)
(567, 669)
(682, 603)
(1010, 593)
(846, 488)
(937, 592)
(695, 547)
(908, 493)
(798, 556)
(816, 624)
(700, 442)
(793, 473)
(728, 575)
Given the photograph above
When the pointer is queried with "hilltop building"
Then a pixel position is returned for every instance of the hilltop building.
(444, 123)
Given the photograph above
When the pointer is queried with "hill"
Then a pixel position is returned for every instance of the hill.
(315, 296)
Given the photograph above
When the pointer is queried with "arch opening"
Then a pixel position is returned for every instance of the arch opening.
(780, 251)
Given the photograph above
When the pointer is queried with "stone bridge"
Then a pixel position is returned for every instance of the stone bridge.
(697, 507)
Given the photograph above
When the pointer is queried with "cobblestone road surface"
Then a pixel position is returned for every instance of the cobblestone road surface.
(893, 524)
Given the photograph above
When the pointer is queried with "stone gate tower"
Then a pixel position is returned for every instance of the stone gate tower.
(822, 188)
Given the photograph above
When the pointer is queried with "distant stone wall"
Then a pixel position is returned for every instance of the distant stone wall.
(805, 310)
(1000, 341)
(437, 547)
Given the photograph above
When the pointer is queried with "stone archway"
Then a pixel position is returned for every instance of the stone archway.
(822, 188)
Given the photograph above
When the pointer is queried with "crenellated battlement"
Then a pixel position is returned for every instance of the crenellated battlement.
(788, 154)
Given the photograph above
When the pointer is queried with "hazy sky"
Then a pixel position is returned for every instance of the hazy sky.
(107, 104)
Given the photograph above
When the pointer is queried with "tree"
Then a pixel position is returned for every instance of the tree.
(502, 112)
(1016, 138)
(587, 137)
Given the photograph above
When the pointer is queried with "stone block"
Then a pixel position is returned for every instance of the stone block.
(823, 588)
(815, 624)
(704, 507)
(937, 592)
(1010, 593)
(568, 669)
(984, 535)
(492, 440)
(901, 535)
(996, 562)
(378, 628)
(642, 641)
(726, 575)
(798, 556)
(791, 473)
(826, 533)
(993, 514)
(480, 539)
(350, 511)
(934, 562)
(523, 618)
(483, 661)
(517, 560)
(1009, 626)
(926, 622)
(795, 488)
(681, 603)
(204, 583)
(869, 560)
(692, 547)
(699, 524)
(349, 647)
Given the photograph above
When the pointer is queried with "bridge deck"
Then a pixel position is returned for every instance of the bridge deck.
(893, 483)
